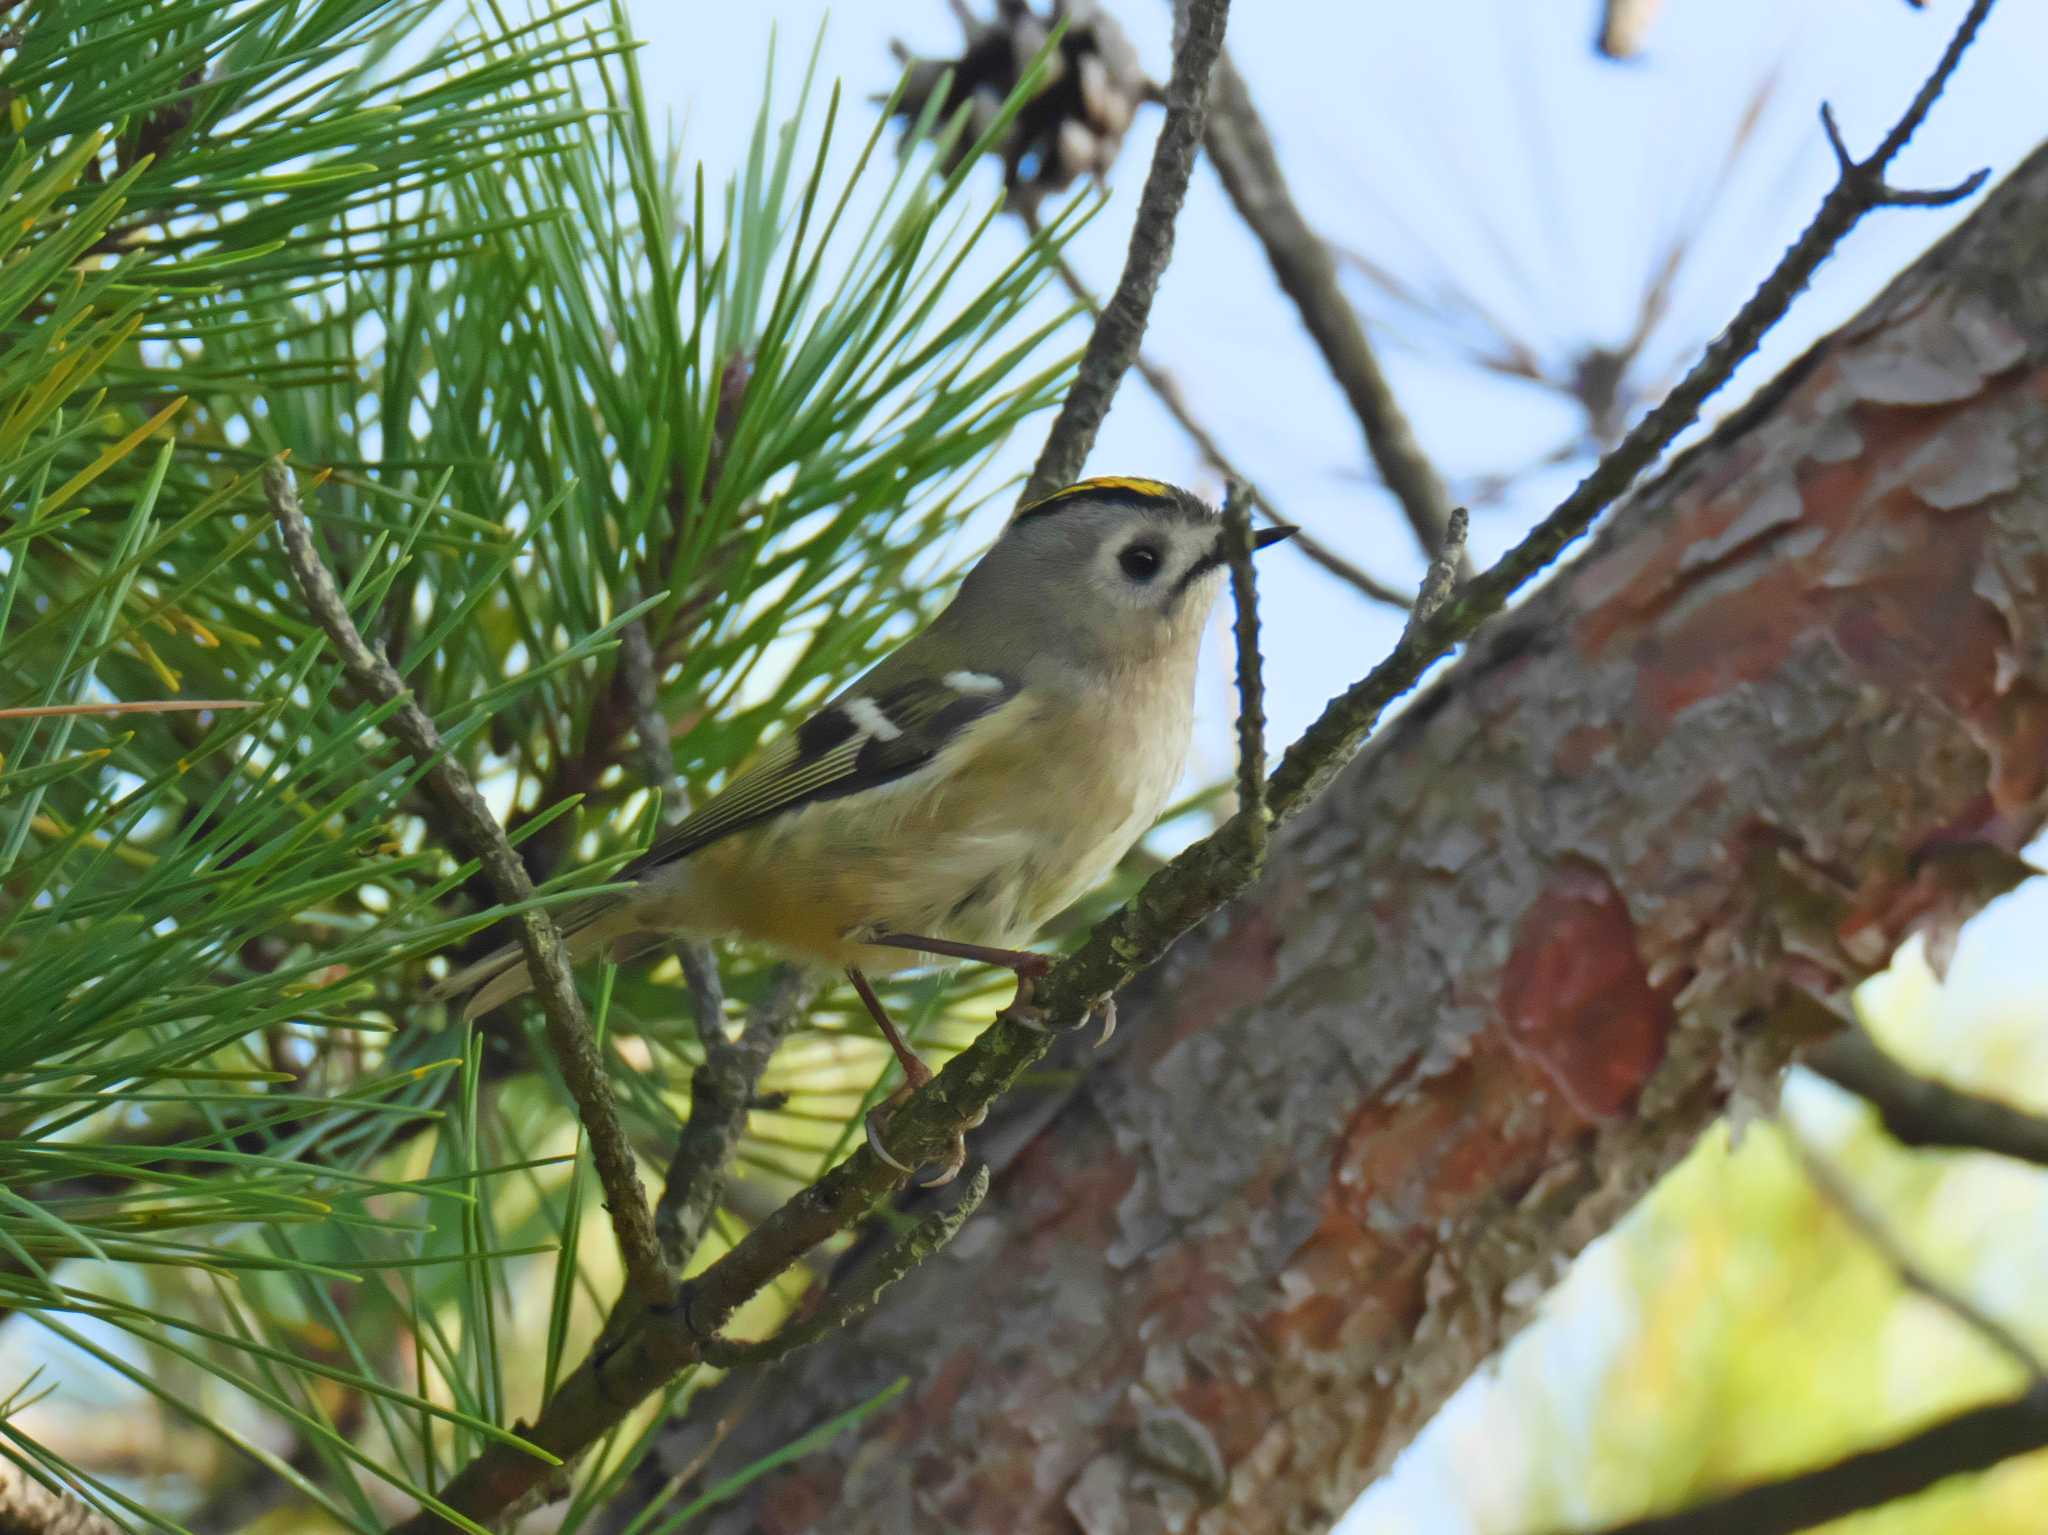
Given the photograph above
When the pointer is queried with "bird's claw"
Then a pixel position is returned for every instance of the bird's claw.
(1025, 1015)
(956, 1158)
(1106, 1011)
(875, 1143)
(956, 1155)
(1021, 1011)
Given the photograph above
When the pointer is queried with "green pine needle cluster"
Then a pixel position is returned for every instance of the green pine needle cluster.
(541, 383)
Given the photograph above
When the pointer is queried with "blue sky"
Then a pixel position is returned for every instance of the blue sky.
(1477, 138)
(1486, 127)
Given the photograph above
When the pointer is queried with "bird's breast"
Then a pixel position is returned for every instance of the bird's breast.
(1108, 761)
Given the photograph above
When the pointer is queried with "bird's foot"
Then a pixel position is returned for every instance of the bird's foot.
(1026, 1014)
(956, 1151)
(1022, 1011)
(915, 1075)
(1106, 1011)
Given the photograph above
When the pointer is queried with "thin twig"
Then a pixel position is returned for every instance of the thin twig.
(721, 1092)
(1921, 1111)
(1113, 344)
(599, 1394)
(1167, 390)
(859, 1293)
(1441, 579)
(569, 1035)
(654, 759)
(1243, 155)
(1251, 682)
(1974, 1440)
(723, 1087)
(29, 1507)
(1851, 1206)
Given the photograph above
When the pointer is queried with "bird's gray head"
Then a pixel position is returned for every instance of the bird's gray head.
(1110, 573)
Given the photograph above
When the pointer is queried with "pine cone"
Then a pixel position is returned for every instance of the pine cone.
(1076, 123)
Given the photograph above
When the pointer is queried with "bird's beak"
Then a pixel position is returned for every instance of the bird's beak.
(1266, 538)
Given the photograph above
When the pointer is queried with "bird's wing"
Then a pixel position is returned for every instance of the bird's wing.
(879, 730)
(884, 727)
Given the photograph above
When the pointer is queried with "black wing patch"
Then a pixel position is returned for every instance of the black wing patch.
(861, 740)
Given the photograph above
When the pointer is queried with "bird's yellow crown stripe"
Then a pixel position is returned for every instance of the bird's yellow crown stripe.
(1136, 487)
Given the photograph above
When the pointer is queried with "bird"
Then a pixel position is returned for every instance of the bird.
(970, 786)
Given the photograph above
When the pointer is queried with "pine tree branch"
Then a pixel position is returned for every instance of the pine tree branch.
(1913, 1274)
(721, 1092)
(1113, 344)
(1243, 155)
(637, 678)
(722, 1088)
(1922, 1111)
(569, 1034)
(1975, 1440)
(858, 1294)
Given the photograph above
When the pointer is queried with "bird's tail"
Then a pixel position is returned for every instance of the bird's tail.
(502, 975)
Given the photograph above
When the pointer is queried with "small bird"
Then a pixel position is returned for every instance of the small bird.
(970, 786)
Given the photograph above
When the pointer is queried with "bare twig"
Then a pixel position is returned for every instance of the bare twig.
(1975, 1440)
(1164, 387)
(569, 1034)
(721, 1092)
(1251, 682)
(1871, 172)
(600, 1392)
(860, 1292)
(637, 677)
(1441, 579)
(1852, 1207)
(722, 1088)
(27, 1507)
(1243, 155)
(1114, 342)
(161, 124)
(1921, 1111)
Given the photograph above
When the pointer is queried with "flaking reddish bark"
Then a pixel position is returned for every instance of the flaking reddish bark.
(1587, 889)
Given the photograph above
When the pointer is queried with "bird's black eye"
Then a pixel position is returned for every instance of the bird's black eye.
(1140, 562)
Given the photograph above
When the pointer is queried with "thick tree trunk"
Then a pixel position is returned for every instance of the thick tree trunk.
(1611, 872)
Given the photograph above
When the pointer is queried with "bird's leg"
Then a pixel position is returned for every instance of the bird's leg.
(915, 1075)
(915, 1072)
(1022, 963)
